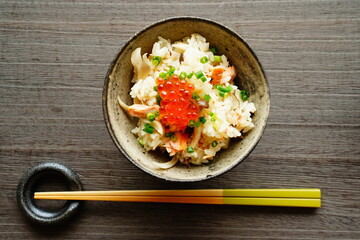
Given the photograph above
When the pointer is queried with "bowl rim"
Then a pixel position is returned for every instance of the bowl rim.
(106, 88)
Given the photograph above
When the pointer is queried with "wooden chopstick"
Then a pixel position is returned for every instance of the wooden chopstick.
(270, 193)
(256, 197)
(280, 202)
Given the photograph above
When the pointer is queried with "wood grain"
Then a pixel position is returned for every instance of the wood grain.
(53, 59)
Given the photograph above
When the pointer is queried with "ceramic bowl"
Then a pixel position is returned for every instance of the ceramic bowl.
(118, 83)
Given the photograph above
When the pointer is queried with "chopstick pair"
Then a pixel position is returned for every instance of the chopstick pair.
(256, 197)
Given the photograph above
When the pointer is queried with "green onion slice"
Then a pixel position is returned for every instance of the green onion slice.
(244, 95)
(190, 149)
(148, 128)
(204, 59)
(207, 97)
(202, 120)
(171, 70)
(224, 89)
(214, 143)
(156, 60)
(191, 123)
(199, 74)
(169, 134)
(162, 74)
(195, 96)
(223, 94)
(158, 99)
(217, 58)
(214, 50)
(182, 75)
(150, 116)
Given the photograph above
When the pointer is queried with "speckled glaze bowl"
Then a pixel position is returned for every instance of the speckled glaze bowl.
(250, 76)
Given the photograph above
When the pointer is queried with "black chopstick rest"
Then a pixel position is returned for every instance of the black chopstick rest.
(26, 188)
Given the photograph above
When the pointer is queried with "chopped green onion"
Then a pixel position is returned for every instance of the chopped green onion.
(148, 128)
(190, 149)
(162, 74)
(214, 50)
(204, 59)
(224, 89)
(156, 60)
(195, 96)
(173, 138)
(197, 124)
(157, 113)
(244, 95)
(190, 75)
(213, 116)
(155, 88)
(171, 70)
(203, 79)
(223, 94)
(191, 123)
(217, 58)
(182, 75)
(141, 142)
(169, 134)
(207, 97)
(150, 116)
(202, 120)
(216, 86)
(214, 143)
(199, 74)
(158, 99)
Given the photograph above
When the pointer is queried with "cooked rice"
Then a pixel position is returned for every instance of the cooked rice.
(232, 114)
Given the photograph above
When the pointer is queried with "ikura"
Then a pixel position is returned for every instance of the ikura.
(176, 106)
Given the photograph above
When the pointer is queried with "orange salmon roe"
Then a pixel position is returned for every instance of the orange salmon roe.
(176, 106)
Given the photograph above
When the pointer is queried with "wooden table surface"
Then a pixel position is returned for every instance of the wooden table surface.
(55, 54)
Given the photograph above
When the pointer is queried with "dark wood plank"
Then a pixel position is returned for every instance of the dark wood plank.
(53, 59)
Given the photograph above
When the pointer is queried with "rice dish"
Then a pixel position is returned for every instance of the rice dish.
(186, 100)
